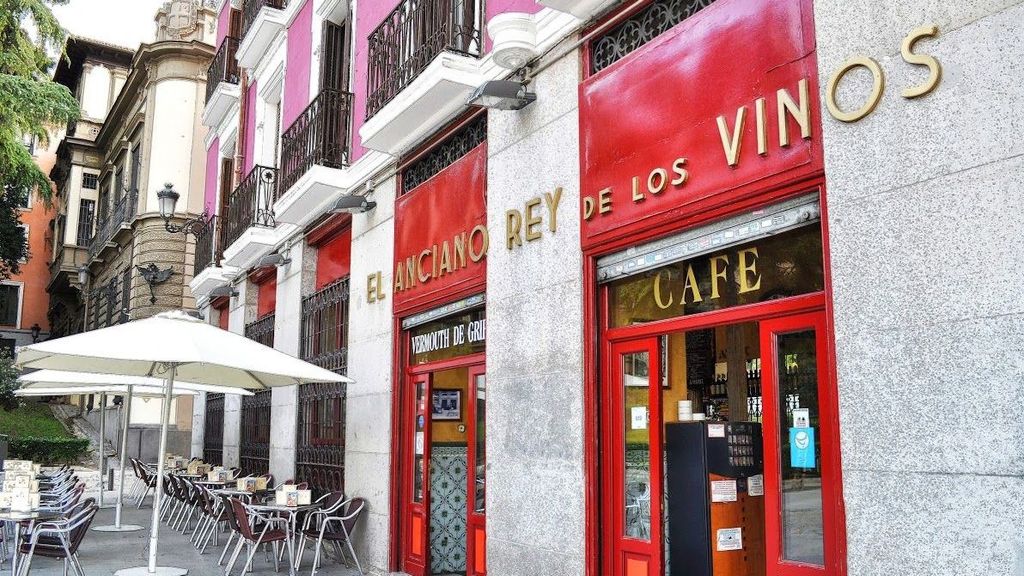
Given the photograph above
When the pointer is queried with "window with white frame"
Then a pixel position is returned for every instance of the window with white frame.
(10, 304)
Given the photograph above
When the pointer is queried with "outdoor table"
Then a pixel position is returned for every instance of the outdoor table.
(290, 523)
(214, 482)
(240, 493)
(16, 518)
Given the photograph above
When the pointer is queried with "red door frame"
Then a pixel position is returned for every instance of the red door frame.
(598, 337)
(829, 432)
(476, 523)
(418, 565)
(625, 549)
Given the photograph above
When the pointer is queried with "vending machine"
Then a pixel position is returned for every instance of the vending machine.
(714, 496)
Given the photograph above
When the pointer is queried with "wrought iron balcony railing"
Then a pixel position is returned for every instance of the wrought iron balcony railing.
(123, 212)
(224, 67)
(409, 39)
(320, 135)
(251, 204)
(207, 247)
(251, 9)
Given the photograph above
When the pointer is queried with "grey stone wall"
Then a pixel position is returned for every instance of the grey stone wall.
(198, 424)
(924, 204)
(535, 488)
(368, 405)
(233, 402)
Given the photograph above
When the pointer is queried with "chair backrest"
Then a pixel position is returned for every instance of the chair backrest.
(332, 501)
(352, 513)
(80, 525)
(229, 512)
(242, 519)
(269, 478)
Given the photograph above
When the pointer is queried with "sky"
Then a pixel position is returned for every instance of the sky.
(126, 23)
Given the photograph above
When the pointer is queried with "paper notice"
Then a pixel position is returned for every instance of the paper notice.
(801, 418)
(730, 539)
(755, 485)
(638, 418)
(723, 490)
(716, 430)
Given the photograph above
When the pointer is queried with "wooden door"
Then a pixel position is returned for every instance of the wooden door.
(416, 490)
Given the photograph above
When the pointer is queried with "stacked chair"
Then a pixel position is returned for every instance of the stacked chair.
(60, 537)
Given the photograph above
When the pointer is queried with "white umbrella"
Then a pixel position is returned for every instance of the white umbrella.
(60, 383)
(171, 345)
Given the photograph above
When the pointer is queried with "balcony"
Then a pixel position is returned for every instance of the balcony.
(249, 227)
(423, 65)
(120, 216)
(208, 272)
(222, 90)
(313, 150)
(582, 9)
(262, 21)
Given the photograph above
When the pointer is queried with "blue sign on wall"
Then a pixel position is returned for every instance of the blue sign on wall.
(801, 448)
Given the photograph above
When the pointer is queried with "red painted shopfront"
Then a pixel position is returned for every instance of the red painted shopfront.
(712, 420)
(441, 242)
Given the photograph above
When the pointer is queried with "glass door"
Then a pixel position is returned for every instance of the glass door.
(417, 492)
(633, 486)
(800, 448)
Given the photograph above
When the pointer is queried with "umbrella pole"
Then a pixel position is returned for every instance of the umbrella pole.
(152, 568)
(103, 440)
(117, 527)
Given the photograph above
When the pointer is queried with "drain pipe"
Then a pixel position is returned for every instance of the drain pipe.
(243, 100)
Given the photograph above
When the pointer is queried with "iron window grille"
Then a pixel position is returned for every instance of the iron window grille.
(254, 445)
(261, 330)
(213, 431)
(10, 297)
(86, 215)
(325, 327)
(320, 454)
(639, 29)
(410, 37)
(445, 154)
(90, 181)
(207, 249)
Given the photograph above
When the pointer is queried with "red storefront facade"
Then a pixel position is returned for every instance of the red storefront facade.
(706, 279)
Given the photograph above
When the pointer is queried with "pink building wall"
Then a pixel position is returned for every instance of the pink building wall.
(250, 130)
(212, 167)
(368, 16)
(223, 23)
(297, 65)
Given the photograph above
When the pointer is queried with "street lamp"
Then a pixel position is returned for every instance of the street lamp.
(83, 274)
(36, 329)
(167, 199)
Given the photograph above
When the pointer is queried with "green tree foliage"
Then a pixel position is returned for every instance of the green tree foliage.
(29, 103)
(8, 382)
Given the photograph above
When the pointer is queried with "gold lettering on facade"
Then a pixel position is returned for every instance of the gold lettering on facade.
(433, 261)
(410, 272)
(718, 272)
(481, 231)
(419, 267)
(762, 126)
(658, 299)
(657, 180)
(371, 289)
(748, 267)
(732, 143)
(638, 196)
(934, 68)
(682, 175)
(588, 207)
(552, 201)
(604, 201)
(399, 276)
(446, 259)
(460, 251)
(513, 224)
(877, 87)
(691, 285)
(801, 113)
(532, 222)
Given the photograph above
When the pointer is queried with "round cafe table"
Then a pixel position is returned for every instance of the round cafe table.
(291, 513)
(17, 518)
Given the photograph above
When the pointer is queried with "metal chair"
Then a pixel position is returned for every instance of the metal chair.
(59, 540)
(338, 529)
(246, 519)
(330, 504)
